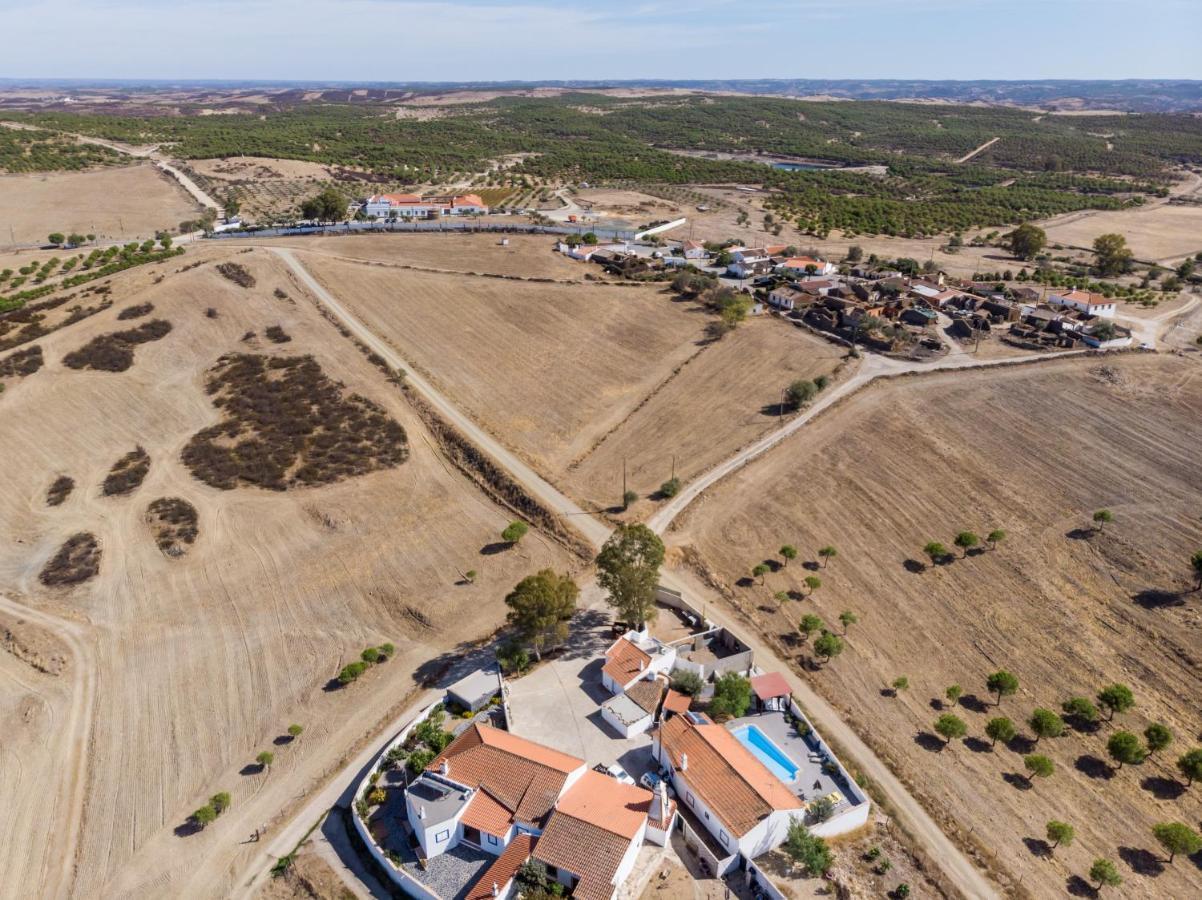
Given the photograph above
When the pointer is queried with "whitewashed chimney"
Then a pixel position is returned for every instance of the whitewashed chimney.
(684, 762)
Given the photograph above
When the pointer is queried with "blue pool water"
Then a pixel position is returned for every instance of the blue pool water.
(762, 748)
(798, 167)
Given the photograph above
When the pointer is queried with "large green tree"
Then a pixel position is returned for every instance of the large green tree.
(540, 608)
(1112, 256)
(1177, 837)
(326, 206)
(1026, 240)
(1001, 683)
(628, 571)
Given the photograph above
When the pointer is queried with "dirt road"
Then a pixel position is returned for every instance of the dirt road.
(958, 868)
(596, 532)
(72, 744)
(971, 153)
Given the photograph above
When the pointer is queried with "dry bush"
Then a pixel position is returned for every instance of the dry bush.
(77, 560)
(237, 273)
(127, 473)
(114, 352)
(288, 425)
(59, 490)
(22, 363)
(175, 524)
(136, 312)
(277, 335)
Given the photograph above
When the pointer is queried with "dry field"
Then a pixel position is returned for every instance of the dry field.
(548, 368)
(531, 256)
(259, 168)
(116, 204)
(179, 671)
(1033, 450)
(725, 395)
(1165, 233)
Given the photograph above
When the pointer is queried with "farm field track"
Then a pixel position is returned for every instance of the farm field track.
(200, 662)
(724, 396)
(1033, 450)
(529, 256)
(547, 368)
(126, 203)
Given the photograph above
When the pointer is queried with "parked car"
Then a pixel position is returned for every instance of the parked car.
(616, 771)
(650, 781)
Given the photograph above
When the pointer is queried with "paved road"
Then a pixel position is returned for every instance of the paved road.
(957, 867)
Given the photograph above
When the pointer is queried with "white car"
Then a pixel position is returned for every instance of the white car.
(616, 771)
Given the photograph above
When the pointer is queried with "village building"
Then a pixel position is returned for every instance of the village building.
(694, 250)
(1086, 301)
(800, 266)
(413, 206)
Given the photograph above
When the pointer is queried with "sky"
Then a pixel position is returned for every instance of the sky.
(484, 40)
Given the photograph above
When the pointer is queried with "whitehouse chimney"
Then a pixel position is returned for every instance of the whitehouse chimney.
(445, 768)
(684, 762)
(496, 889)
(421, 811)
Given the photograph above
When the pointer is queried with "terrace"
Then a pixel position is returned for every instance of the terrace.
(817, 775)
(713, 652)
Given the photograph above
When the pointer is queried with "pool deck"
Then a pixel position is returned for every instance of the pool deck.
(812, 782)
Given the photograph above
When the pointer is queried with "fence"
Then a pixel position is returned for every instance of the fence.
(856, 816)
(604, 234)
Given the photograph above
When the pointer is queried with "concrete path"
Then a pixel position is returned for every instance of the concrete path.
(985, 146)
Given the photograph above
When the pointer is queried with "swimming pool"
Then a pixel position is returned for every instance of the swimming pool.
(762, 748)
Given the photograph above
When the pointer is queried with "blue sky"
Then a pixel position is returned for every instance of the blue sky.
(451, 40)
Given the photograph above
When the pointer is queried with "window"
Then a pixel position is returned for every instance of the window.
(552, 872)
(689, 797)
(442, 836)
(707, 815)
(493, 840)
(724, 838)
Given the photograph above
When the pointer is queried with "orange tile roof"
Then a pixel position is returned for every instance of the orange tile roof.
(676, 702)
(732, 782)
(524, 777)
(800, 262)
(399, 198)
(503, 868)
(588, 851)
(646, 694)
(624, 662)
(769, 685)
(487, 813)
(467, 200)
(607, 803)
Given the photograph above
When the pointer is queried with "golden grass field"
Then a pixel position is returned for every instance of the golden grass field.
(184, 669)
(1033, 450)
(548, 368)
(128, 203)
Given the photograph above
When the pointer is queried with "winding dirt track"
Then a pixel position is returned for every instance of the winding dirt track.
(72, 744)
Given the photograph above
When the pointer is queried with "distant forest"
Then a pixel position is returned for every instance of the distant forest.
(1039, 166)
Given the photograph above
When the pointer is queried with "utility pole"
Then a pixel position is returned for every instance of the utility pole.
(780, 412)
(673, 466)
(623, 479)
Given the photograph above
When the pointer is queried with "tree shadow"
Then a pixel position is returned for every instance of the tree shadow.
(1093, 767)
(1038, 847)
(914, 566)
(810, 566)
(1021, 745)
(1163, 788)
(1080, 534)
(1080, 725)
(775, 410)
(333, 685)
(1154, 598)
(973, 703)
(1141, 861)
(774, 565)
(976, 745)
(251, 769)
(936, 704)
(494, 548)
(796, 595)
(1017, 781)
(930, 742)
(977, 551)
(187, 829)
(768, 608)
(745, 582)
(1079, 887)
(283, 740)
(888, 692)
(791, 639)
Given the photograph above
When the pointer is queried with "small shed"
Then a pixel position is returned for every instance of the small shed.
(476, 690)
(771, 690)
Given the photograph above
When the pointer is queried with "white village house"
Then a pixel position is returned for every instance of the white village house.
(1086, 301)
(412, 206)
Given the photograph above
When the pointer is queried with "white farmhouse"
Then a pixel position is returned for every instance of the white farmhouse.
(1086, 301)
